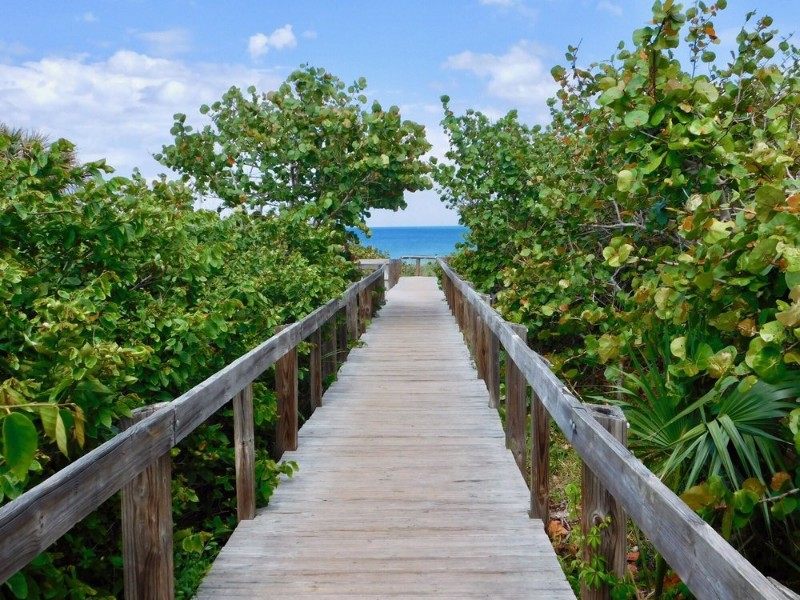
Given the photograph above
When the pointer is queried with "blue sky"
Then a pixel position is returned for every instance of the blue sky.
(109, 74)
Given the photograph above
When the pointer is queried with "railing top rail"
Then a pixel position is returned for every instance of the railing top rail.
(708, 565)
(53, 507)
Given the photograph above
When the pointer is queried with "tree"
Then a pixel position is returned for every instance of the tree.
(308, 148)
(649, 238)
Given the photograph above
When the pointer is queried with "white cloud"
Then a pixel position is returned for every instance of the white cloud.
(499, 2)
(88, 17)
(260, 44)
(519, 76)
(610, 7)
(310, 34)
(168, 42)
(120, 108)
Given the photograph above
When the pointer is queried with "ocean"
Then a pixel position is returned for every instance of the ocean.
(415, 241)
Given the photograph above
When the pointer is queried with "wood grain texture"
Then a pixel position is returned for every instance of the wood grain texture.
(598, 504)
(286, 390)
(540, 460)
(710, 567)
(352, 314)
(147, 526)
(244, 451)
(315, 370)
(341, 338)
(329, 365)
(405, 488)
(395, 268)
(492, 366)
(516, 409)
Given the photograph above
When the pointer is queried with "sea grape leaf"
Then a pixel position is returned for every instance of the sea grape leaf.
(636, 118)
(20, 442)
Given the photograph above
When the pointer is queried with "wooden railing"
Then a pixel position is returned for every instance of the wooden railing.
(393, 268)
(706, 563)
(137, 460)
(419, 260)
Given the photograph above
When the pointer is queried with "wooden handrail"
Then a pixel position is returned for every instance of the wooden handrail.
(707, 564)
(36, 519)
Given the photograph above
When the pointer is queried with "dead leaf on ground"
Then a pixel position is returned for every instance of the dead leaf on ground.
(556, 529)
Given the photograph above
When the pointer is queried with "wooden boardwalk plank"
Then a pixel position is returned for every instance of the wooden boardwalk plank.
(405, 487)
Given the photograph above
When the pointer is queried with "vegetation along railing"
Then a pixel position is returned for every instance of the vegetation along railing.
(137, 461)
(707, 564)
(418, 260)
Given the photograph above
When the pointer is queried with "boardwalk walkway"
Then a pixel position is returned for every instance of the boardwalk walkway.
(405, 488)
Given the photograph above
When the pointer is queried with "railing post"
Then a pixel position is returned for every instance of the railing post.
(469, 323)
(516, 411)
(490, 350)
(244, 450)
(363, 309)
(147, 526)
(329, 348)
(540, 460)
(352, 318)
(599, 504)
(395, 268)
(419, 266)
(315, 370)
(481, 350)
(457, 307)
(342, 329)
(286, 392)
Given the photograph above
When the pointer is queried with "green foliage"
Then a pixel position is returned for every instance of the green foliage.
(649, 239)
(116, 293)
(309, 148)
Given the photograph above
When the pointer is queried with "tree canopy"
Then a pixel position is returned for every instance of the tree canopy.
(649, 238)
(310, 148)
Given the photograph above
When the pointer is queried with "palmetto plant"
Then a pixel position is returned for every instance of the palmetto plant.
(731, 430)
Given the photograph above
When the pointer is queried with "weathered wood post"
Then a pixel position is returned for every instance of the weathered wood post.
(329, 348)
(244, 451)
(599, 504)
(469, 323)
(459, 308)
(516, 411)
(315, 370)
(491, 359)
(481, 350)
(395, 268)
(147, 525)
(352, 318)
(342, 325)
(540, 460)
(286, 392)
(419, 266)
(362, 311)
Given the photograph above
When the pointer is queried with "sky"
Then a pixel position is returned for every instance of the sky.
(109, 74)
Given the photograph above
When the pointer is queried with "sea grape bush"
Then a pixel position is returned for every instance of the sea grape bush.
(309, 148)
(650, 240)
(117, 293)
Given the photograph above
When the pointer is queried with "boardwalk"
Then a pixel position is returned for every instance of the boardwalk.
(405, 488)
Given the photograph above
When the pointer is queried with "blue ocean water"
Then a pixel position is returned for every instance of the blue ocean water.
(415, 241)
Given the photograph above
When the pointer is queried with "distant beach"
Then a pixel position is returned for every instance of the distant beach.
(415, 241)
